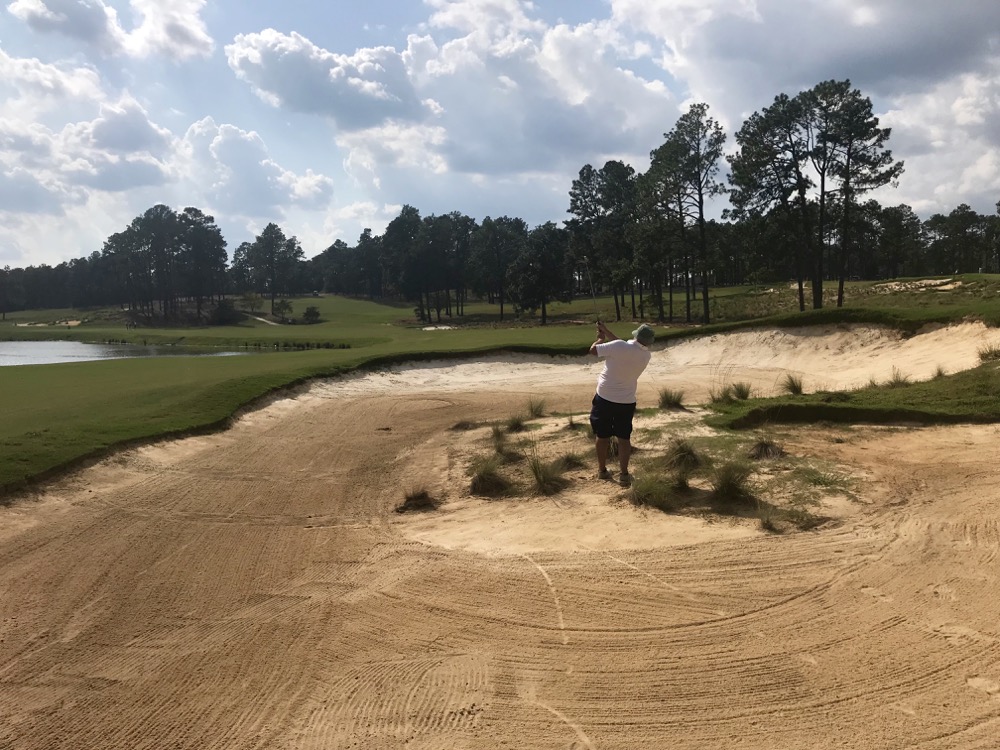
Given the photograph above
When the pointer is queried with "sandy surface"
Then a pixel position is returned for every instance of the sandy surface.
(255, 589)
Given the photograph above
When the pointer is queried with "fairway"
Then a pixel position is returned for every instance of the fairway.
(254, 588)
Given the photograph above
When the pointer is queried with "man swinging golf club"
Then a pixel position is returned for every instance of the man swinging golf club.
(614, 403)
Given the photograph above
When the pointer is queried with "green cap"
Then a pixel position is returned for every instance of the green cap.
(644, 335)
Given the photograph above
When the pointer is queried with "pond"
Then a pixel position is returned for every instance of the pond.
(54, 352)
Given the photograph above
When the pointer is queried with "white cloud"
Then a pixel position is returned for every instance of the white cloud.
(357, 91)
(240, 176)
(88, 20)
(22, 192)
(45, 83)
(126, 127)
(174, 29)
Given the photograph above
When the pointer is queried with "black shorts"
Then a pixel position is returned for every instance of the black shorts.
(608, 418)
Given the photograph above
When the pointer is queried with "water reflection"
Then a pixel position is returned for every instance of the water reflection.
(54, 352)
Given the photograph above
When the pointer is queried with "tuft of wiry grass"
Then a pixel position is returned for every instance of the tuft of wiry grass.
(569, 462)
(897, 379)
(741, 391)
(536, 407)
(487, 479)
(418, 500)
(547, 477)
(791, 384)
(656, 491)
(731, 484)
(989, 353)
(940, 373)
(872, 383)
(498, 438)
(572, 424)
(721, 395)
(766, 448)
(682, 456)
(515, 423)
(671, 398)
(613, 447)
(464, 425)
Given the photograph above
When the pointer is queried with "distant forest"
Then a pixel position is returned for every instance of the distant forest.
(798, 211)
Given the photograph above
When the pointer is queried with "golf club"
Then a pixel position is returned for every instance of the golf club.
(586, 263)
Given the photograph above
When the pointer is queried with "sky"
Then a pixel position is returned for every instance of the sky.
(327, 117)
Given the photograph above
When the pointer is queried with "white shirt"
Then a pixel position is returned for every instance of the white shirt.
(624, 363)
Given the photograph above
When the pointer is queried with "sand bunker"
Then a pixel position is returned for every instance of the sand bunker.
(256, 588)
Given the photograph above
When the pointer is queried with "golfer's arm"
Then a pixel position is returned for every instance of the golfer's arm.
(607, 335)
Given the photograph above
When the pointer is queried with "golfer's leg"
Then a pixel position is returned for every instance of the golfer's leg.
(624, 453)
(602, 452)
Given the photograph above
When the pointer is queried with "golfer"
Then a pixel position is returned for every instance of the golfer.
(614, 403)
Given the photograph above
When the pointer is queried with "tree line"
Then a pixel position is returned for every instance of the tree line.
(797, 184)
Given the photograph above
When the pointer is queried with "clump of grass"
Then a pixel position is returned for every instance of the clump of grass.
(498, 438)
(656, 491)
(463, 426)
(536, 407)
(682, 456)
(872, 383)
(897, 379)
(741, 391)
(572, 424)
(613, 448)
(940, 372)
(721, 395)
(671, 398)
(731, 484)
(569, 462)
(487, 479)
(766, 448)
(791, 384)
(418, 500)
(817, 478)
(989, 353)
(547, 477)
(515, 423)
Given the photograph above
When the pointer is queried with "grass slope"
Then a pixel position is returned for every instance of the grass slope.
(972, 396)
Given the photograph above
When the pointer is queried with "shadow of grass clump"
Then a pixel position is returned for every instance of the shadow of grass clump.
(778, 520)
(418, 500)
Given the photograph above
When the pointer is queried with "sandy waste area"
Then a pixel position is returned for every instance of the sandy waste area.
(257, 589)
